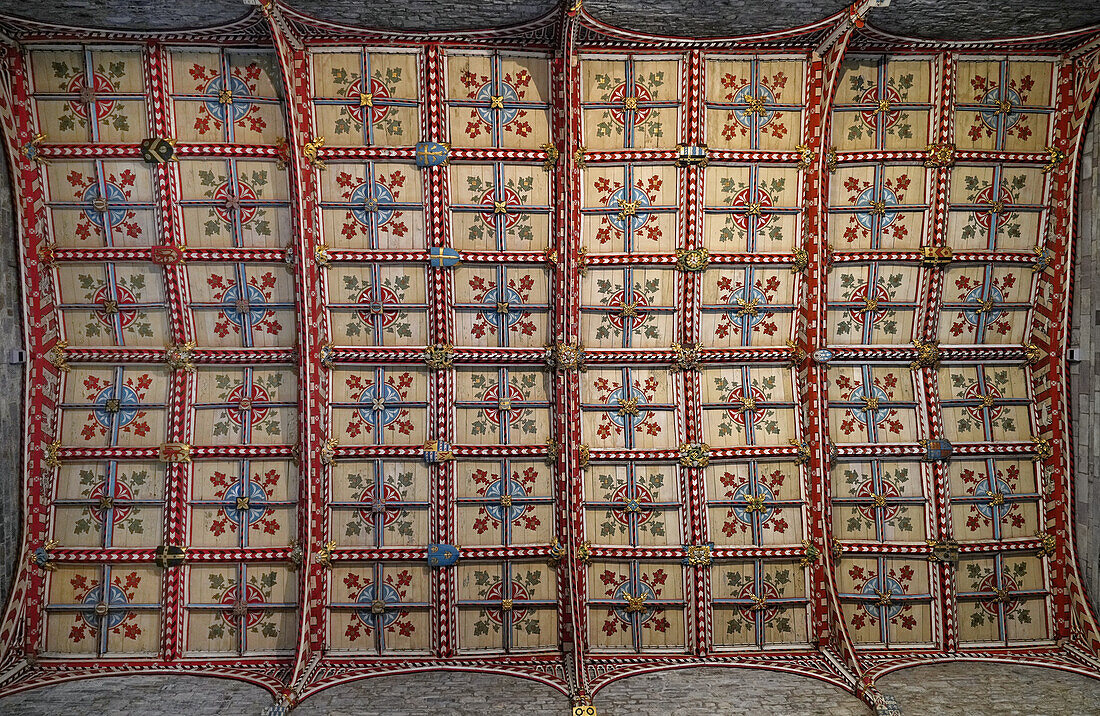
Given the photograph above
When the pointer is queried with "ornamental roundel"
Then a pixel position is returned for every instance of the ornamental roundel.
(389, 596)
(869, 312)
(864, 393)
(887, 490)
(882, 584)
(243, 193)
(619, 402)
(230, 599)
(990, 584)
(632, 505)
(509, 96)
(247, 403)
(866, 200)
(984, 308)
(761, 216)
(495, 491)
(493, 410)
(641, 96)
(749, 409)
(987, 509)
(111, 209)
(239, 107)
(378, 91)
(1003, 202)
(99, 494)
(768, 592)
(994, 98)
(759, 95)
(743, 493)
(252, 306)
(110, 414)
(617, 318)
(113, 617)
(979, 412)
(377, 306)
(390, 494)
(380, 203)
(256, 499)
(100, 85)
(500, 307)
(748, 306)
(495, 593)
(636, 217)
(123, 296)
(489, 200)
(871, 97)
(380, 406)
(632, 590)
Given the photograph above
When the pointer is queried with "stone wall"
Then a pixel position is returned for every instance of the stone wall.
(1084, 394)
(11, 388)
(963, 689)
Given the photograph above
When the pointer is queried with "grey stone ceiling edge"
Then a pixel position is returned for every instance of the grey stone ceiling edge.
(930, 19)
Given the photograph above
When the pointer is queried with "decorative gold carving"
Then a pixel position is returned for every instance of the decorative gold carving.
(51, 450)
(584, 455)
(1033, 354)
(686, 356)
(939, 156)
(692, 260)
(1043, 450)
(928, 354)
(584, 552)
(1055, 157)
(801, 260)
(175, 453)
(699, 555)
(805, 157)
(810, 554)
(946, 552)
(439, 356)
(694, 454)
(309, 151)
(328, 451)
(180, 356)
(797, 355)
(635, 604)
(324, 555)
(552, 155)
(56, 356)
(566, 356)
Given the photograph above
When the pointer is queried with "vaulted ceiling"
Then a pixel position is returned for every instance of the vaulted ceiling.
(562, 352)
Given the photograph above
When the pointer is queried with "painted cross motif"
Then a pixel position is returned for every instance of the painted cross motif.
(885, 108)
(755, 105)
(876, 498)
(506, 602)
(229, 98)
(97, 103)
(752, 211)
(246, 502)
(108, 206)
(750, 406)
(626, 96)
(382, 405)
(504, 210)
(236, 202)
(243, 605)
(996, 496)
(876, 209)
(629, 507)
(386, 509)
(497, 102)
(506, 502)
(118, 406)
(629, 211)
(995, 591)
(118, 306)
(885, 598)
(632, 602)
(869, 404)
(380, 304)
(382, 605)
(995, 214)
(995, 106)
(629, 307)
(120, 499)
(753, 502)
(503, 304)
(765, 600)
(978, 306)
(245, 303)
(508, 414)
(106, 606)
(245, 406)
(375, 207)
(749, 306)
(626, 407)
(870, 305)
(368, 96)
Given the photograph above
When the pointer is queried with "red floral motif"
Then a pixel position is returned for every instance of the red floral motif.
(267, 523)
(357, 626)
(401, 424)
(730, 290)
(120, 219)
(643, 422)
(891, 191)
(733, 85)
(520, 81)
(982, 87)
(1009, 512)
(521, 286)
(249, 74)
(902, 613)
(656, 581)
(83, 628)
(648, 229)
(265, 283)
(353, 227)
(966, 285)
(850, 423)
(773, 521)
(484, 478)
(137, 425)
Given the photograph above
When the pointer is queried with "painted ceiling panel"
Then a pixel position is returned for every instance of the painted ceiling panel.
(473, 354)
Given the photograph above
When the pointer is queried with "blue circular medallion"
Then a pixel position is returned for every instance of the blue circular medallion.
(994, 98)
(390, 598)
(127, 406)
(639, 217)
(494, 311)
(742, 493)
(987, 509)
(643, 589)
(991, 314)
(858, 396)
(113, 617)
(872, 588)
(239, 89)
(507, 93)
(115, 212)
(380, 409)
(235, 307)
(758, 93)
(614, 404)
(257, 503)
(866, 200)
(743, 297)
(380, 203)
(495, 490)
